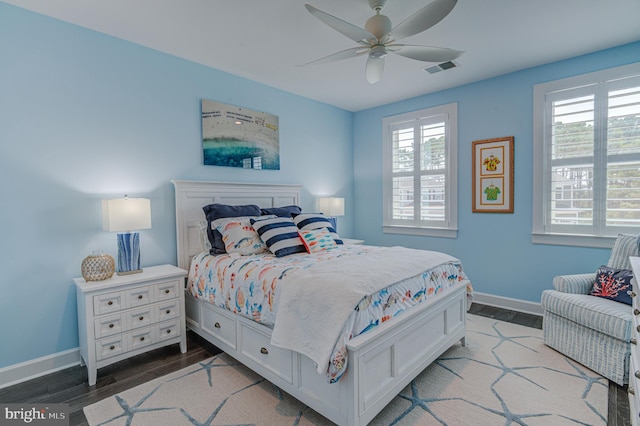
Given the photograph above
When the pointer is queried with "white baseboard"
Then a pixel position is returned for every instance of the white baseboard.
(18, 373)
(508, 303)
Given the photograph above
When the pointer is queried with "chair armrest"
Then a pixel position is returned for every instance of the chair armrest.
(576, 283)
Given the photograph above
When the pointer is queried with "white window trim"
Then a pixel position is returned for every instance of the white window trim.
(539, 235)
(451, 146)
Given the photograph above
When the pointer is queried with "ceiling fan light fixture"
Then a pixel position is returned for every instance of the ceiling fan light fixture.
(378, 51)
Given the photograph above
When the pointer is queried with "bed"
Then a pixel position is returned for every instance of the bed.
(381, 361)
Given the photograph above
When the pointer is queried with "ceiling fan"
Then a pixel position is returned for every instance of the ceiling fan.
(378, 37)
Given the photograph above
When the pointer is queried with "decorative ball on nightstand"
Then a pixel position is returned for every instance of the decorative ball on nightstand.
(98, 267)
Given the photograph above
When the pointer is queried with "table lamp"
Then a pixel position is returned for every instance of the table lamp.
(124, 215)
(331, 207)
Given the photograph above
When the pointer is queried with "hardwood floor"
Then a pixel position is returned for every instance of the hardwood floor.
(70, 385)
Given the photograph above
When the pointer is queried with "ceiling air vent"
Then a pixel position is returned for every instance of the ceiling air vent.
(440, 67)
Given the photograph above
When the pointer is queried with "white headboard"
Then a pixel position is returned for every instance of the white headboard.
(192, 196)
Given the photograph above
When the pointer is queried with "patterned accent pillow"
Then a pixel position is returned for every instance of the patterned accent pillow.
(219, 211)
(309, 221)
(280, 234)
(626, 245)
(317, 240)
(613, 284)
(239, 236)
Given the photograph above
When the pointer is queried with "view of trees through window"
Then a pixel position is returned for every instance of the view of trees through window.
(430, 148)
(595, 160)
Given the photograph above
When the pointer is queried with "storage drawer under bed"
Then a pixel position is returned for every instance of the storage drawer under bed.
(257, 346)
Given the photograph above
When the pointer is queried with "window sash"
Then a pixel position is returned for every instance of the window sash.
(591, 172)
(418, 170)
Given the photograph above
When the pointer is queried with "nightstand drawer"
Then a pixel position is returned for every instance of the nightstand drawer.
(168, 310)
(168, 330)
(167, 290)
(109, 325)
(107, 303)
(140, 296)
(109, 347)
(139, 338)
(142, 317)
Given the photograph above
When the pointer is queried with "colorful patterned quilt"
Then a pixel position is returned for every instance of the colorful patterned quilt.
(248, 286)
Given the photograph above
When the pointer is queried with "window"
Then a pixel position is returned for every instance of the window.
(420, 173)
(587, 158)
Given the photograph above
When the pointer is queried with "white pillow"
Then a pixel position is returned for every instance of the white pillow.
(239, 236)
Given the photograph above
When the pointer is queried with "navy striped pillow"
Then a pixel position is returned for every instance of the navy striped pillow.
(311, 221)
(280, 234)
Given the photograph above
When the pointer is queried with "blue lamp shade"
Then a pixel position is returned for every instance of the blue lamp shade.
(124, 215)
(331, 207)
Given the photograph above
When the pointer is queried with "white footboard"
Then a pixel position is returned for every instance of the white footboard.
(381, 362)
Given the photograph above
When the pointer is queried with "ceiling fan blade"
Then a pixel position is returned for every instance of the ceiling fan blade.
(338, 56)
(423, 19)
(355, 33)
(424, 53)
(374, 69)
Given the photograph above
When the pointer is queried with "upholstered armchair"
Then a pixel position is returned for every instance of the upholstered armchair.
(594, 331)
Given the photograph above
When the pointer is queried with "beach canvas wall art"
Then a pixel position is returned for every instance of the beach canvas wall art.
(239, 137)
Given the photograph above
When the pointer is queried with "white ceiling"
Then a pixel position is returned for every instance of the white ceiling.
(266, 40)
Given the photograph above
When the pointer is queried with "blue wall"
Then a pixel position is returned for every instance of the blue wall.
(84, 116)
(495, 249)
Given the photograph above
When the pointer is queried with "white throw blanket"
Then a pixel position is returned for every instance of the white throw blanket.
(315, 303)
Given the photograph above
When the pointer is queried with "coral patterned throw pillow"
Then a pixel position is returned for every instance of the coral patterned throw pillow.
(613, 284)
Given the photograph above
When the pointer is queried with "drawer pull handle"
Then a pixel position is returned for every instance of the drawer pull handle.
(111, 347)
(264, 351)
(141, 318)
(167, 291)
(168, 311)
(637, 374)
(142, 339)
(169, 331)
(636, 311)
(110, 302)
(111, 325)
(216, 325)
(633, 341)
(139, 297)
(631, 293)
(631, 390)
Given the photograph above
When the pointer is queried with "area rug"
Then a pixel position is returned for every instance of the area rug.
(505, 375)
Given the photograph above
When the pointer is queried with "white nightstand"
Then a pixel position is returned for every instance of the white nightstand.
(352, 241)
(130, 314)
